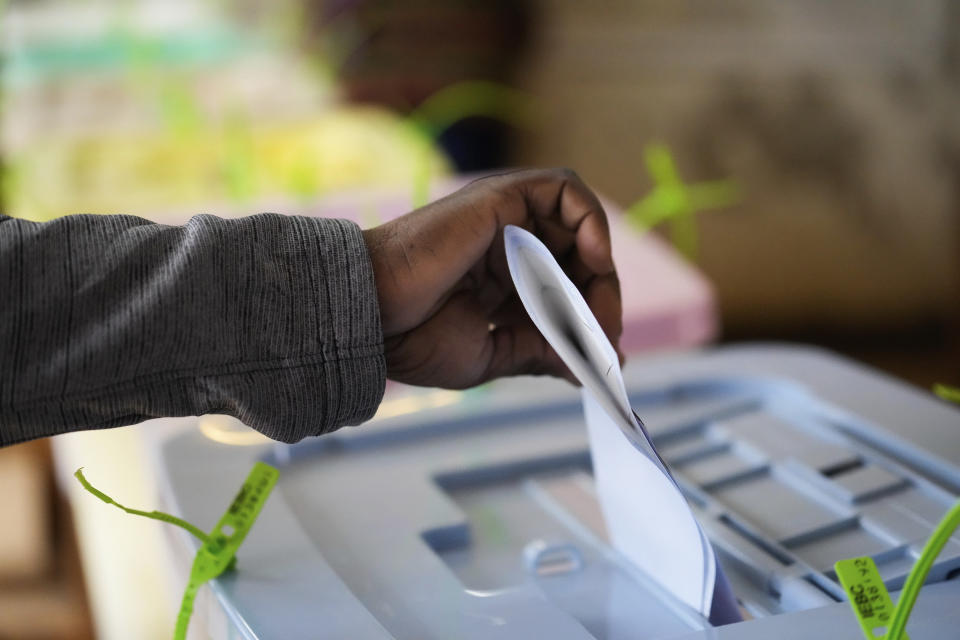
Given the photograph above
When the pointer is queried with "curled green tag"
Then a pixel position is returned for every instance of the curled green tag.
(951, 394)
(154, 515)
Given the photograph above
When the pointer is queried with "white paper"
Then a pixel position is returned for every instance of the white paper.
(648, 518)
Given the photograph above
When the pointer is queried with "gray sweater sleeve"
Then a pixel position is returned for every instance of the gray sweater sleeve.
(111, 320)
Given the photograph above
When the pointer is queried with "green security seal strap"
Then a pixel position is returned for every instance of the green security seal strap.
(871, 603)
(867, 594)
(217, 553)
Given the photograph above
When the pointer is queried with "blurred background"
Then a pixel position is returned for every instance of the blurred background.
(820, 142)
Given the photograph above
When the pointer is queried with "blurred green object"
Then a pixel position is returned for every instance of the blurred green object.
(153, 515)
(470, 99)
(154, 172)
(456, 102)
(677, 202)
(951, 394)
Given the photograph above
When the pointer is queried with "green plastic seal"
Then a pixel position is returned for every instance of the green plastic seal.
(218, 551)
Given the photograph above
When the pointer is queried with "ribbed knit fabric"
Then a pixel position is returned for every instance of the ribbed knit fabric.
(111, 320)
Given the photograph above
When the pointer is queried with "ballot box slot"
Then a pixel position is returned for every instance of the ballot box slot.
(842, 468)
(538, 526)
(771, 549)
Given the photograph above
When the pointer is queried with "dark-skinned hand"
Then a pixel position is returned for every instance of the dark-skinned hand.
(451, 316)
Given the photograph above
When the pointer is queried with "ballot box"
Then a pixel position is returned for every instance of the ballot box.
(475, 514)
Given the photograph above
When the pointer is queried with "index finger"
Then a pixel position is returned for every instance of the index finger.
(559, 195)
(559, 199)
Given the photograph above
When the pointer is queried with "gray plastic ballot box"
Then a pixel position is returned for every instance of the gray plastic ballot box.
(478, 518)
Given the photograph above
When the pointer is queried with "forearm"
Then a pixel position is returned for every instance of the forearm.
(111, 320)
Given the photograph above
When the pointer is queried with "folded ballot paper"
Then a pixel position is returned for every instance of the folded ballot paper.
(648, 519)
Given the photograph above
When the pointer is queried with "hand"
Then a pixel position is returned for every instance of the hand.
(451, 316)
